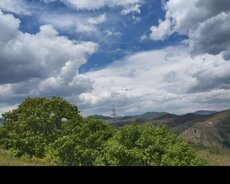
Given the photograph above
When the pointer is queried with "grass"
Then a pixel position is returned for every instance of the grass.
(6, 159)
(215, 156)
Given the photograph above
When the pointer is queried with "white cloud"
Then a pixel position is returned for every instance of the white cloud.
(97, 20)
(163, 80)
(85, 24)
(9, 27)
(18, 7)
(129, 6)
(112, 33)
(41, 64)
(89, 26)
(132, 9)
(40, 55)
(144, 37)
(64, 22)
(86, 4)
(161, 31)
(206, 23)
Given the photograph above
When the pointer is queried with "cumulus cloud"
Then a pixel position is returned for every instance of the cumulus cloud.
(206, 23)
(161, 31)
(40, 55)
(84, 24)
(89, 26)
(18, 7)
(46, 63)
(129, 6)
(9, 28)
(163, 80)
(41, 64)
(87, 4)
(132, 9)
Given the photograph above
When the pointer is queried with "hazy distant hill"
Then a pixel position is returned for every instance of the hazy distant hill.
(206, 128)
(124, 120)
(1, 120)
(204, 112)
(101, 117)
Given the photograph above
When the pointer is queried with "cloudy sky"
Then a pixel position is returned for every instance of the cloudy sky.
(142, 55)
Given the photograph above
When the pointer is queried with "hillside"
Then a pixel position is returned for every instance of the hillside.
(205, 128)
(214, 131)
(1, 120)
(170, 120)
(214, 156)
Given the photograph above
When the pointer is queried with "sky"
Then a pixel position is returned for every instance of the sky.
(140, 55)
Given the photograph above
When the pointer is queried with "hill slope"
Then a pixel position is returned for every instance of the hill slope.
(214, 131)
(209, 129)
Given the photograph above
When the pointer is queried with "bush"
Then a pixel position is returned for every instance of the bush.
(147, 146)
(82, 148)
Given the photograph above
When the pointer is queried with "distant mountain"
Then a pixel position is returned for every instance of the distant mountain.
(204, 112)
(205, 128)
(101, 117)
(124, 120)
(150, 115)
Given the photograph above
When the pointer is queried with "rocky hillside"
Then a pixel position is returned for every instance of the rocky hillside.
(210, 129)
(214, 131)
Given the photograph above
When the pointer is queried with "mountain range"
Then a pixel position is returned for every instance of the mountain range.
(202, 128)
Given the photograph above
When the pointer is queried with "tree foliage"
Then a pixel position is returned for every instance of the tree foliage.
(36, 123)
(148, 145)
(53, 129)
(83, 147)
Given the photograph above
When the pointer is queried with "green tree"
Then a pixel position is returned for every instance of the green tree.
(147, 145)
(36, 123)
(83, 147)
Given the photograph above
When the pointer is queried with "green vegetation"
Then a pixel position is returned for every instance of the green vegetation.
(7, 159)
(147, 145)
(36, 123)
(81, 148)
(53, 131)
(214, 156)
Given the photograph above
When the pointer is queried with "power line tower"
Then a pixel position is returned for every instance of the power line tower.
(114, 112)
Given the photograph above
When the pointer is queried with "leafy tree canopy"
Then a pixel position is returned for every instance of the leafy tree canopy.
(147, 145)
(37, 122)
(53, 129)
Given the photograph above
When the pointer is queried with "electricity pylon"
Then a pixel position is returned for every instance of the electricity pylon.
(114, 110)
